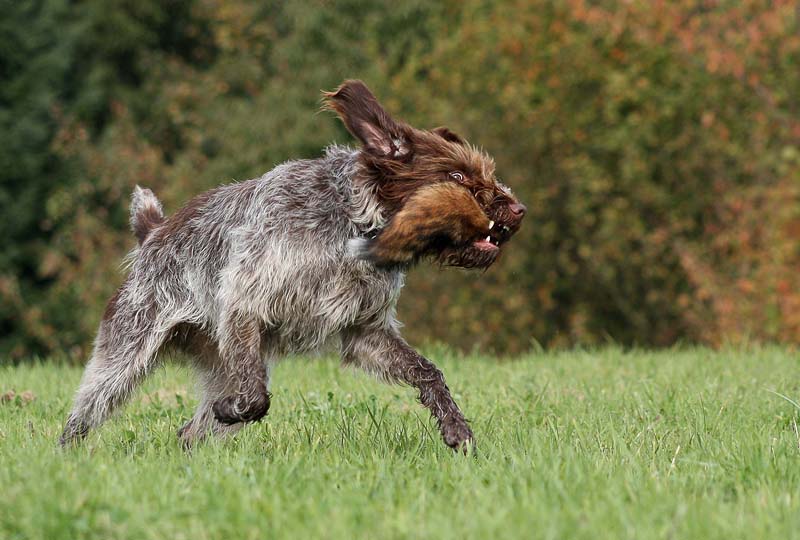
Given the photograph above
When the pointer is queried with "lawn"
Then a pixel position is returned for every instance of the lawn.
(685, 443)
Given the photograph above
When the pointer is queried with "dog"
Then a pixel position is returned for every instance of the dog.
(312, 252)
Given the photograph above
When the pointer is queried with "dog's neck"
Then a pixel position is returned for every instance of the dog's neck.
(347, 169)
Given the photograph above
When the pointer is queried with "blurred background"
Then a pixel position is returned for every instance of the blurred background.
(656, 145)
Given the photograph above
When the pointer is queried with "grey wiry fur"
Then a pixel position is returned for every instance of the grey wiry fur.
(245, 274)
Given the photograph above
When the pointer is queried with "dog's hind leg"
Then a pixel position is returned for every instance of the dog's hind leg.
(240, 354)
(125, 351)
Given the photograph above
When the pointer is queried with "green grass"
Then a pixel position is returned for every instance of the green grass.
(589, 444)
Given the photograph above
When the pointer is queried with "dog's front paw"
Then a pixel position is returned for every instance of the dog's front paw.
(235, 409)
(458, 436)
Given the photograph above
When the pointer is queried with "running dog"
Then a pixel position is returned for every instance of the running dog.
(312, 252)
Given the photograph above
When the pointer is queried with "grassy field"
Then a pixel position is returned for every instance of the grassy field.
(588, 444)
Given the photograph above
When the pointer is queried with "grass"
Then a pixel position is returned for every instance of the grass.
(587, 444)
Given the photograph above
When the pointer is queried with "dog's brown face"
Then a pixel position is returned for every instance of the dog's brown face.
(438, 193)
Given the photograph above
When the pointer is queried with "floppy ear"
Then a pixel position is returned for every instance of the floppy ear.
(448, 135)
(368, 121)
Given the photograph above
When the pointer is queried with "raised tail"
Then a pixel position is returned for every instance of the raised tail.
(146, 212)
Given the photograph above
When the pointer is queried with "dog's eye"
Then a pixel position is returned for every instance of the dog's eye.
(457, 176)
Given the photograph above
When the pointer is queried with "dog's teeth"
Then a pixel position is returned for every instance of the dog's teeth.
(489, 239)
(491, 224)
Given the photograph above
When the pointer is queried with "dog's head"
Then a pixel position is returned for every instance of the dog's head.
(438, 193)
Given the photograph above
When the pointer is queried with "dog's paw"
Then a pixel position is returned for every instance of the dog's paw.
(458, 436)
(74, 432)
(235, 409)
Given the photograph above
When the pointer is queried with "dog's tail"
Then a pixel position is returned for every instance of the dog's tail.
(146, 212)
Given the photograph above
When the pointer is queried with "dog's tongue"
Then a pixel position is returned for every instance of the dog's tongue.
(485, 244)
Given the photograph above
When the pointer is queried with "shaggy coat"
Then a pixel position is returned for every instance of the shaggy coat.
(312, 252)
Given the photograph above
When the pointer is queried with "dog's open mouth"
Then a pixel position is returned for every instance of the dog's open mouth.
(498, 234)
(482, 252)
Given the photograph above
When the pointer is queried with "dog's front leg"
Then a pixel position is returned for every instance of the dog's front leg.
(388, 355)
(240, 345)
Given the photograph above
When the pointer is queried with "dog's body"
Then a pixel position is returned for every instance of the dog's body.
(285, 263)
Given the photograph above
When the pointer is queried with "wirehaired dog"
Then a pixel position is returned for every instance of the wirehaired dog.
(311, 252)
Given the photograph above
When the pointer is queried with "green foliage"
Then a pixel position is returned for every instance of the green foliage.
(655, 146)
(36, 54)
(585, 444)
(63, 64)
(627, 135)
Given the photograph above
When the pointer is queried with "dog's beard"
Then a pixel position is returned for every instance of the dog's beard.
(480, 255)
(472, 256)
(479, 252)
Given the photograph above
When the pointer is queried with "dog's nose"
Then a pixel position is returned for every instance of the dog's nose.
(518, 209)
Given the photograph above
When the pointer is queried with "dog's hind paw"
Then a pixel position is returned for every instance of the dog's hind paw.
(74, 432)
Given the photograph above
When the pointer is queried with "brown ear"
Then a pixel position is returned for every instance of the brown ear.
(448, 135)
(368, 121)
